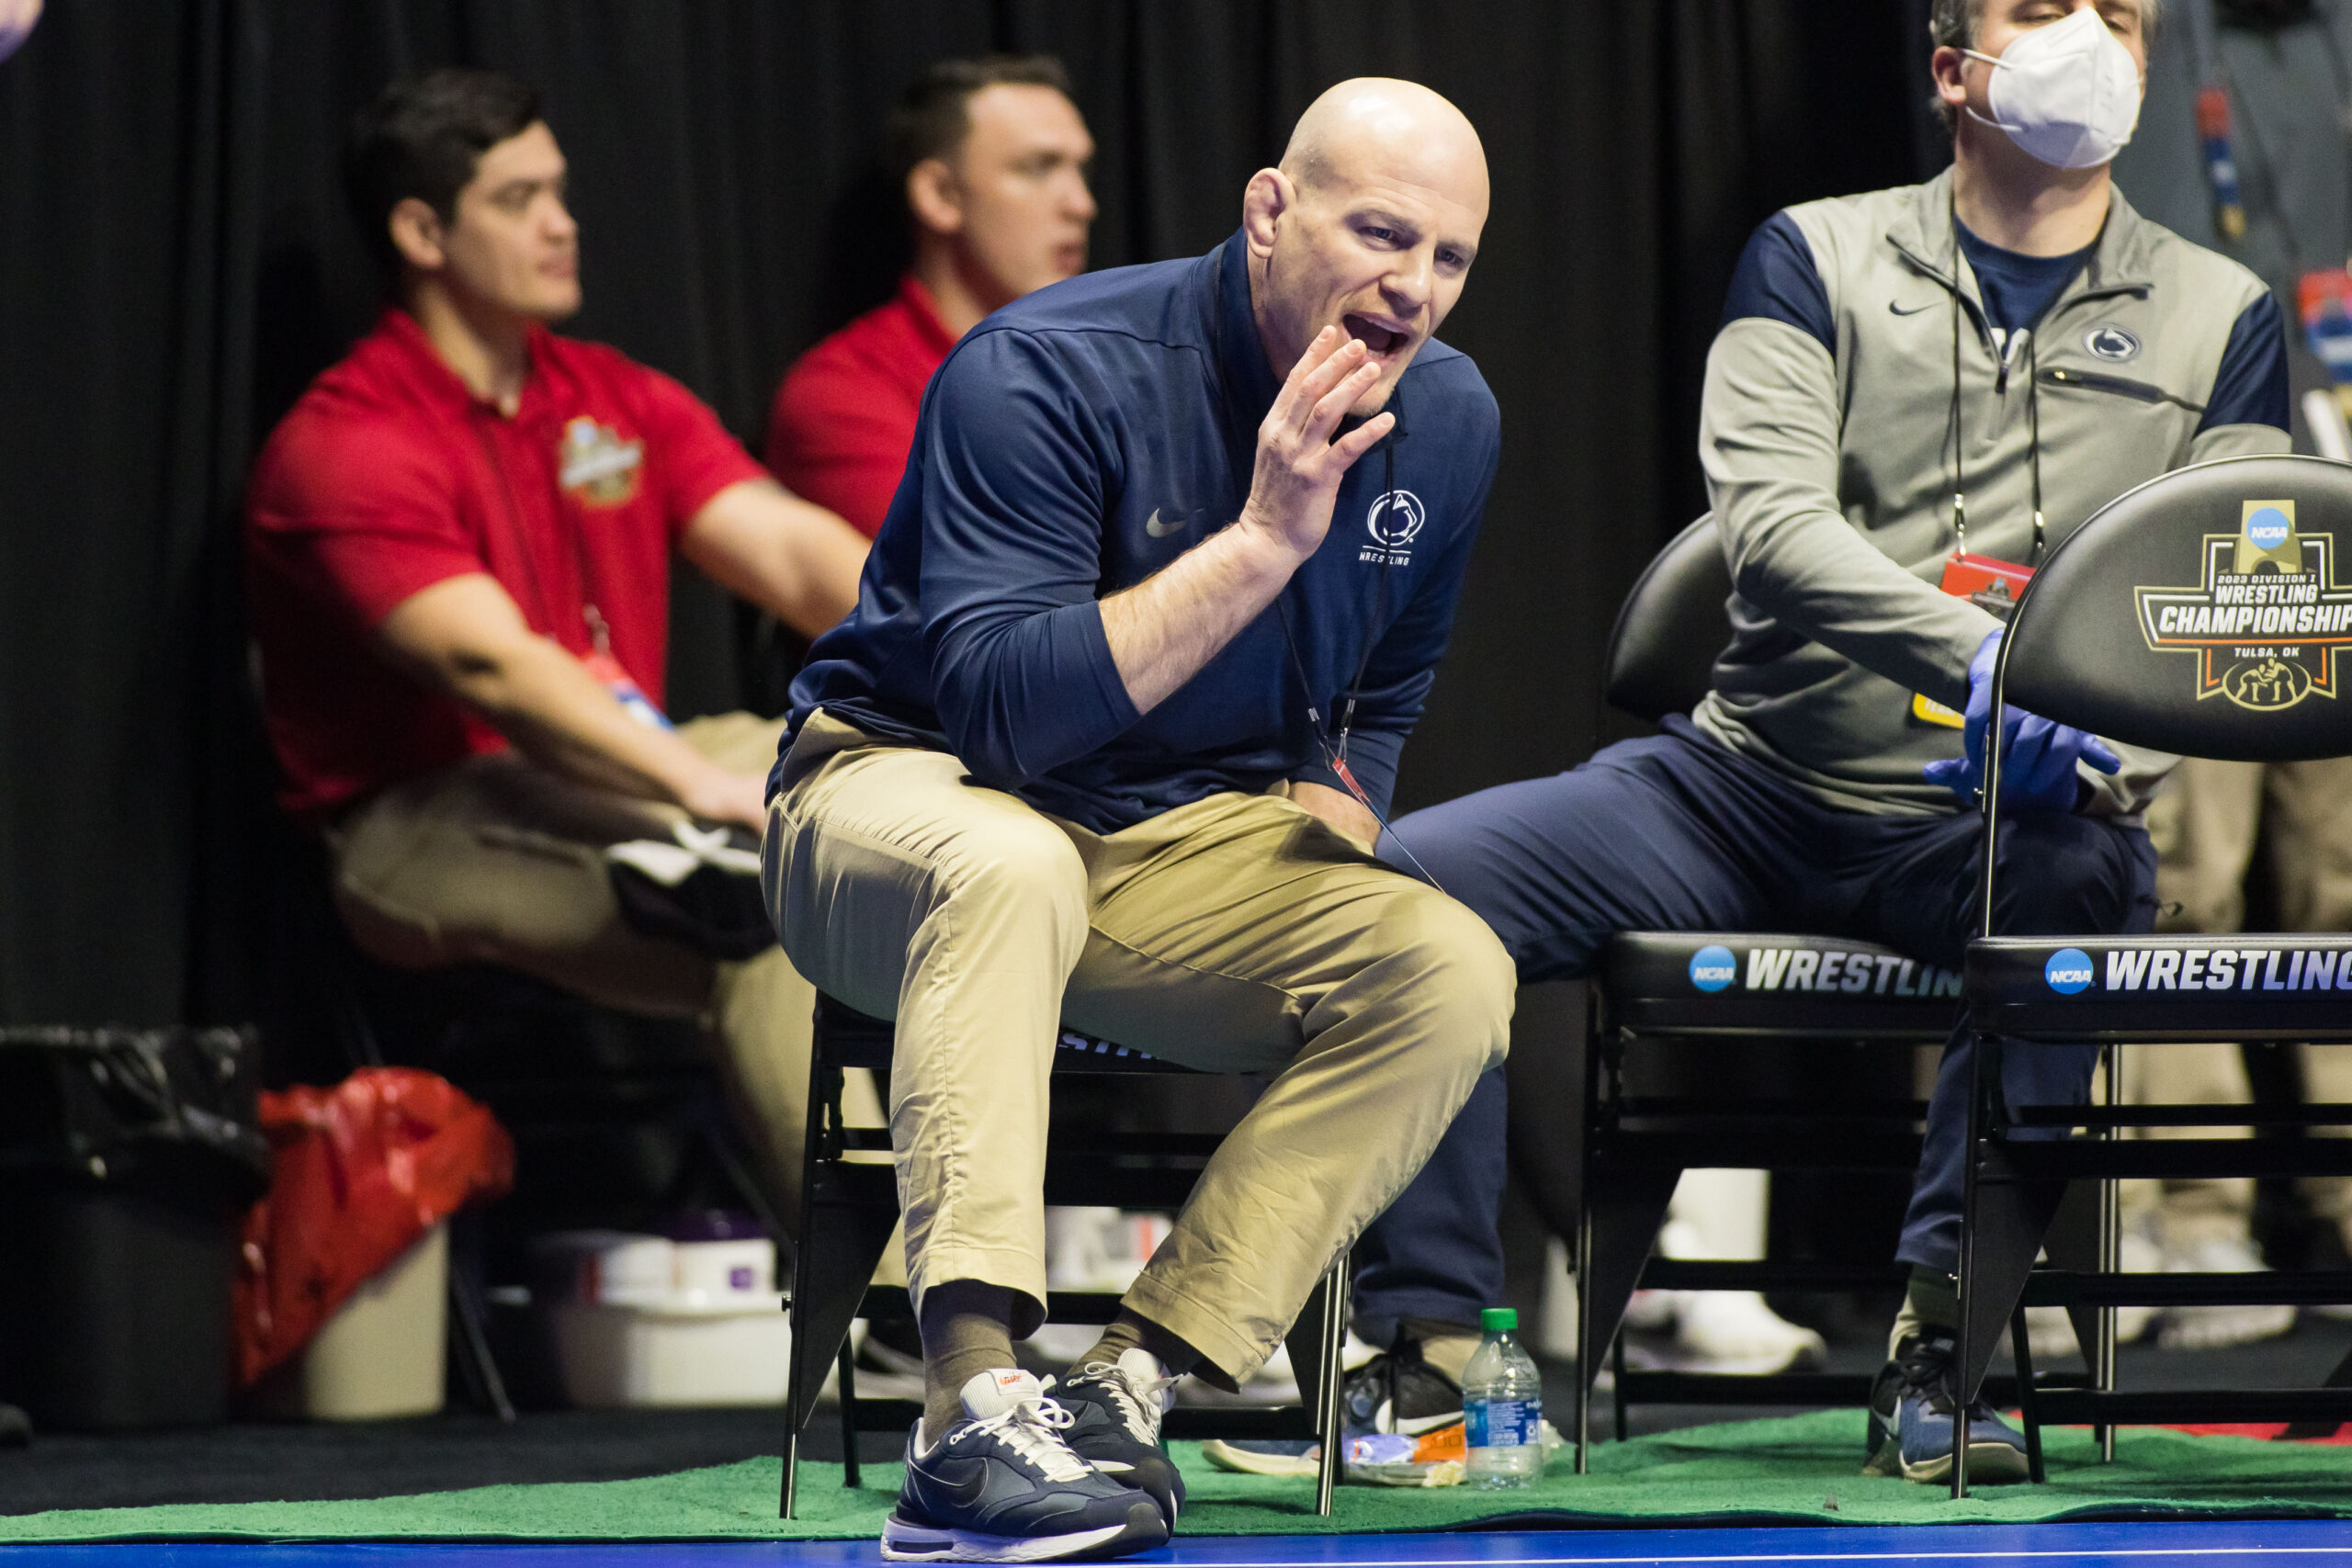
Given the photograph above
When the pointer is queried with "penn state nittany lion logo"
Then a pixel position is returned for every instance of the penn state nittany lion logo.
(2111, 343)
(1394, 519)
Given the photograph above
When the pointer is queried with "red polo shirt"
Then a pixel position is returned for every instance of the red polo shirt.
(389, 477)
(845, 418)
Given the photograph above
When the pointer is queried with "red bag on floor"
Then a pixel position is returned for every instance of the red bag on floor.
(363, 1170)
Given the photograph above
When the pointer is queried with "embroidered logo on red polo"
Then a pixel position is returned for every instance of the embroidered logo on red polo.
(595, 465)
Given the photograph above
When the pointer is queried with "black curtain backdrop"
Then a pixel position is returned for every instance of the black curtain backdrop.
(175, 264)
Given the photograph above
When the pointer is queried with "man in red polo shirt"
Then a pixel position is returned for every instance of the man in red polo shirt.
(991, 154)
(457, 548)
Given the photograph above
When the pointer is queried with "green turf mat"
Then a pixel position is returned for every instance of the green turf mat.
(1799, 1469)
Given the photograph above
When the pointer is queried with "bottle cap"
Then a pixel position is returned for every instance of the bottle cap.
(1499, 1320)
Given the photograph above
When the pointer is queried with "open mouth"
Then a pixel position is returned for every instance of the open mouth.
(1374, 336)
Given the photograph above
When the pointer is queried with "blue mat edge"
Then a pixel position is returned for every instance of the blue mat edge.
(1562, 1520)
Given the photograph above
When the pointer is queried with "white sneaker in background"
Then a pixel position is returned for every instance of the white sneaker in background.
(2054, 1331)
(2210, 1328)
(1555, 1314)
(1652, 1312)
(1736, 1331)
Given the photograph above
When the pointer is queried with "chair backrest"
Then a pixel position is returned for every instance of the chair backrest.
(2203, 612)
(1662, 650)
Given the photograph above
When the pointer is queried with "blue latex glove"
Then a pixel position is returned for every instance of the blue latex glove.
(2037, 757)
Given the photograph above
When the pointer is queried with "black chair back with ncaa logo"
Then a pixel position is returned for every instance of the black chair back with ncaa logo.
(1659, 999)
(2208, 613)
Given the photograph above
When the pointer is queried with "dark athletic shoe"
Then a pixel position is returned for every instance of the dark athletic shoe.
(1398, 1392)
(1002, 1486)
(1912, 1421)
(1395, 1392)
(1116, 1413)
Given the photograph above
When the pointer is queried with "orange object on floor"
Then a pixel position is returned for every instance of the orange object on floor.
(363, 1170)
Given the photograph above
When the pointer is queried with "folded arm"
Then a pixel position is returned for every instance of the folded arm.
(1768, 439)
(466, 636)
(790, 557)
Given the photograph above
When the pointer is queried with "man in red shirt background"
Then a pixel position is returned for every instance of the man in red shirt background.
(992, 155)
(458, 551)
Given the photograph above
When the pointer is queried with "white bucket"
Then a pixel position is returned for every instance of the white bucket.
(383, 1353)
(642, 1320)
(678, 1353)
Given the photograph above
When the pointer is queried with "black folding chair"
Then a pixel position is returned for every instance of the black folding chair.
(1656, 994)
(2203, 614)
(849, 1207)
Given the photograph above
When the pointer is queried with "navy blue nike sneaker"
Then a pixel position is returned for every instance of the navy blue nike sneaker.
(1912, 1420)
(1395, 1392)
(1115, 1412)
(1002, 1485)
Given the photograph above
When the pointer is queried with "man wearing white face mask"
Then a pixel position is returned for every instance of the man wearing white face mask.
(1967, 368)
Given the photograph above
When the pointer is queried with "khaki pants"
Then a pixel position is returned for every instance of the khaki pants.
(495, 860)
(2205, 827)
(1234, 934)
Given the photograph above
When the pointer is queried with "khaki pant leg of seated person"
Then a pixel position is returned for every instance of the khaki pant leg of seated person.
(1237, 933)
(495, 860)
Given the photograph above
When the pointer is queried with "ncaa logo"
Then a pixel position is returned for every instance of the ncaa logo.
(1713, 968)
(1394, 519)
(2111, 343)
(2068, 971)
(2267, 528)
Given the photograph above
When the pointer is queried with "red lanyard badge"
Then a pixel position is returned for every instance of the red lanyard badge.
(1991, 585)
(600, 662)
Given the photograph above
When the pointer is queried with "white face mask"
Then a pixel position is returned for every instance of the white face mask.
(2067, 94)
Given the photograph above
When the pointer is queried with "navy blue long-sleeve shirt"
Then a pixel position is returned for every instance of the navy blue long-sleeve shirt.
(1081, 439)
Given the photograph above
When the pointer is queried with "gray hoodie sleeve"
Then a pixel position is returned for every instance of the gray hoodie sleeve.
(1768, 424)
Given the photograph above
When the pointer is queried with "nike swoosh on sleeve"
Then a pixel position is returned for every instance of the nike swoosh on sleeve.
(1155, 528)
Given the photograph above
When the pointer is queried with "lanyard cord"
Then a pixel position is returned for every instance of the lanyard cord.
(1955, 433)
(599, 630)
(1335, 751)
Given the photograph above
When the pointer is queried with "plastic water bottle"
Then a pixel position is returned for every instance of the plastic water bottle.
(1502, 1407)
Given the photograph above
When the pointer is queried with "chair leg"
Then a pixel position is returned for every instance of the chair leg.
(1333, 1378)
(1970, 1213)
(1587, 1353)
(2110, 1261)
(791, 1465)
(1617, 1390)
(1625, 1210)
(1622, 1211)
(2011, 1217)
(847, 1371)
(1305, 1342)
(465, 1311)
(2021, 1352)
(847, 1212)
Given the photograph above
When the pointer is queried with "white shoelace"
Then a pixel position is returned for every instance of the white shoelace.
(1134, 1396)
(1033, 1429)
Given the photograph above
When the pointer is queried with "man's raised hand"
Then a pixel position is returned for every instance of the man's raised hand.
(1299, 466)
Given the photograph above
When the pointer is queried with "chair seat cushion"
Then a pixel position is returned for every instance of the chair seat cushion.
(2158, 988)
(1752, 983)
